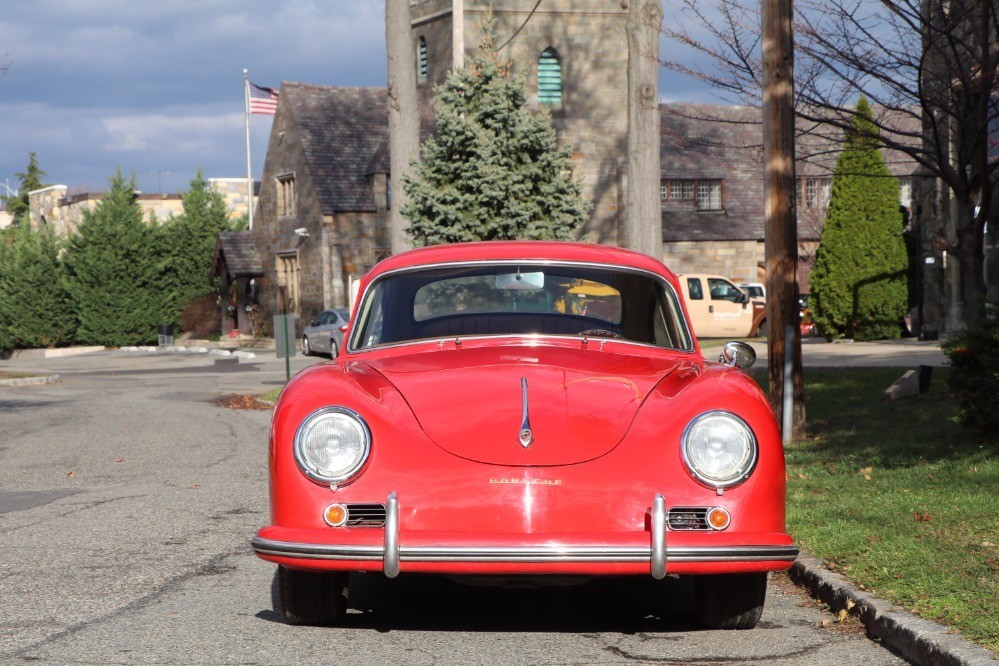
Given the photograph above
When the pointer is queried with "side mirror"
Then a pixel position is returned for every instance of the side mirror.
(738, 354)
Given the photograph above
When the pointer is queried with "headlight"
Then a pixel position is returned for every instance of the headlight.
(719, 449)
(332, 444)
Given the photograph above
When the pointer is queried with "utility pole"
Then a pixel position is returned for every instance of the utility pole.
(403, 113)
(787, 392)
(643, 224)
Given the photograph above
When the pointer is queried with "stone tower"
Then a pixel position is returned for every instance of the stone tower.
(594, 63)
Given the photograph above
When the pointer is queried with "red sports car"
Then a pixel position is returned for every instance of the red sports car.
(525, 409)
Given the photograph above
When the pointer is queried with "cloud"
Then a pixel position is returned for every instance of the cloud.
(177, 134)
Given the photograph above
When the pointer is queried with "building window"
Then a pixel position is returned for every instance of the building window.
(421, 60)
(905, 192)
(815, 193)
(677, 190)
(285, 195)
(709, 195)
(550, 78)
(703, 194)
(287, 283)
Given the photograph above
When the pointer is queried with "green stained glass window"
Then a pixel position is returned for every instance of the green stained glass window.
(422, 57)
(549, 77)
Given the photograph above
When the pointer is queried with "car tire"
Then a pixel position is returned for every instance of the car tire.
(333, 349)
(311, 598)
(306, 348)
(731, 601)
(764, 329)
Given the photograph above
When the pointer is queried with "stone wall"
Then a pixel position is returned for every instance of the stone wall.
(739, 261)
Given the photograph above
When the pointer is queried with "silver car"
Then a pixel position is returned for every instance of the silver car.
(325, 334)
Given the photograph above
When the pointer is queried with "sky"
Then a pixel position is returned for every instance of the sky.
(155, 87)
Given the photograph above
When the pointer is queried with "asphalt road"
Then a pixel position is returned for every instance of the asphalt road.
(128, 499)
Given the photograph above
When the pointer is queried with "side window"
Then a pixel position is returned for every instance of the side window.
(550, 78)
(723, 290)
(695, 289)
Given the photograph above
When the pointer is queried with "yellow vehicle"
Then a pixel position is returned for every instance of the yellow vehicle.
(719, 309)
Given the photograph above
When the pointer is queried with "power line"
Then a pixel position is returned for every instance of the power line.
(517, 31)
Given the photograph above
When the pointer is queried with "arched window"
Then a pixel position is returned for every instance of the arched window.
(550, 77)
(421, 60)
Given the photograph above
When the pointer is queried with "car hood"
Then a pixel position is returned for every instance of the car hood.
(580, 404)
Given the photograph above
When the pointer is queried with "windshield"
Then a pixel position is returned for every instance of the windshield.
(519, 299)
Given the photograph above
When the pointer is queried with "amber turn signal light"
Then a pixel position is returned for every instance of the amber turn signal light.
(335, 515)
(718, 518)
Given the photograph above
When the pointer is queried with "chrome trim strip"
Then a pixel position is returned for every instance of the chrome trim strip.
(525, 436)
(392, 553)
(659, 537)
(531, 554)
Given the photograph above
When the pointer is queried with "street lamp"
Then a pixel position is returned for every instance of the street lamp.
(10, 192)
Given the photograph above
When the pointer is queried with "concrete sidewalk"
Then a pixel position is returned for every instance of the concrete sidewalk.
(902, 353)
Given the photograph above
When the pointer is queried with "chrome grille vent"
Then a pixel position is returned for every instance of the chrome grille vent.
(688, 518)
(365, 515)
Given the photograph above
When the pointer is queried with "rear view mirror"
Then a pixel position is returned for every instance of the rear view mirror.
(738, 354)
(520, 281)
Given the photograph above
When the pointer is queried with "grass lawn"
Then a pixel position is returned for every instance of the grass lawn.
(899, 498)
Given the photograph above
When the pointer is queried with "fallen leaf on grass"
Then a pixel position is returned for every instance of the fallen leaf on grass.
(842, 615)
(71, 475)
(866, 471)
(922, 517)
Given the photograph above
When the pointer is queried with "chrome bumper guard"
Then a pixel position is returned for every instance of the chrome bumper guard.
(657, 553)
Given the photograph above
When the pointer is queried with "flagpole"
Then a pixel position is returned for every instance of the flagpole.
(249, 168)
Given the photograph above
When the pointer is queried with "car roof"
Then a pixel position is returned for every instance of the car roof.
(525, 250)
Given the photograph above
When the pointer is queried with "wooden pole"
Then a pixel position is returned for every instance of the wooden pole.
(643, 224)
(403, 113)
(783, 315)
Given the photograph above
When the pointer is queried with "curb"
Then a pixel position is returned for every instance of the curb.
(58, 352)
(31, 381)
(917, 640)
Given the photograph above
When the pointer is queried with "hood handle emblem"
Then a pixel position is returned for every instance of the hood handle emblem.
(526, 437)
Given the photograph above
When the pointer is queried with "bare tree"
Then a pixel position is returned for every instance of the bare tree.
(928, 66)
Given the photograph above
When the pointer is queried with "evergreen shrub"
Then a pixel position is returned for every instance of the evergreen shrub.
(34, 304)
(859, 284)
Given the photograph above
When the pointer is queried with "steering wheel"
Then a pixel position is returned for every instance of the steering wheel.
(599, 333)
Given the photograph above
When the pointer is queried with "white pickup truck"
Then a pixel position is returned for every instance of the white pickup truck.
(719, 309)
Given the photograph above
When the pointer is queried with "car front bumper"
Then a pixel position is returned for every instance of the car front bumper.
(657, 551)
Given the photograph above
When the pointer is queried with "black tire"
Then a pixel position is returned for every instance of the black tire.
(764, 329)
(731, 601)
(313, 598)
(306, 347)
(333, 348)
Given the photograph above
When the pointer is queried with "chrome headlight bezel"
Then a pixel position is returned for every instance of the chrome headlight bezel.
(747, 458)
(307, 429)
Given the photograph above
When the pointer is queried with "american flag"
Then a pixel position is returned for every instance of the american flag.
(262, 100)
